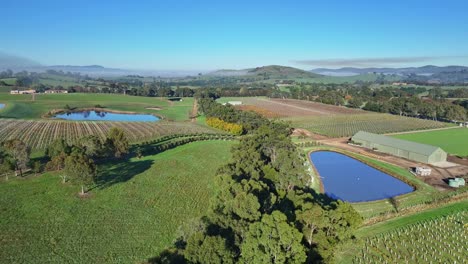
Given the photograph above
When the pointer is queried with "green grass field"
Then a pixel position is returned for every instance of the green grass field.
(22, 106)
(453, 141)
(50, 80)
(130, 217)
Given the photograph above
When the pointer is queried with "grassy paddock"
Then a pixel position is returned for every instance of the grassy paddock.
(22, 106)
(454, 141)
(131, 216)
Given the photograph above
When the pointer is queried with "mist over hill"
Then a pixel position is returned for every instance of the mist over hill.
(424, 70)
(13, 62)
(18, 63)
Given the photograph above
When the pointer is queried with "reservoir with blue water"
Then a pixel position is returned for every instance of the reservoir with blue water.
(2, 105)
(106, 116)
(350, 180)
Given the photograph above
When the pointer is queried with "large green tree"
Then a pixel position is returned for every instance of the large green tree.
(117, 142)
(80, 169)
(273, 240)
(205, 249)
(18, 152)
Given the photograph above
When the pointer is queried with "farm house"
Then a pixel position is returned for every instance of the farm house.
(400, 148)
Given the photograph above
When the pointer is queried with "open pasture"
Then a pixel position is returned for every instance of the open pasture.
(348, 125)
(133, 212)
(454, 141)
(40, 133)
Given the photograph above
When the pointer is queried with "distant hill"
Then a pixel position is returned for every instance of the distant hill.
(427, 70)
(13, 62)
(269, 72)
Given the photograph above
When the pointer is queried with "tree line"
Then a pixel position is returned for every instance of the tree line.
(394, 100)
(264, 211)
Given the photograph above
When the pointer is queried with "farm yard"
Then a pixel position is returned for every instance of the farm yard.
(348, 125)
(454, 141)
(438, 237)
(40, 133)
(133, 213)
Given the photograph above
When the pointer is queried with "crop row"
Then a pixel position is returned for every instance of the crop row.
(39, 134)
(441, 240)
(348, 125)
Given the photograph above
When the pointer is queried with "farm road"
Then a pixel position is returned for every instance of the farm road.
(420, 131)
(297, 107)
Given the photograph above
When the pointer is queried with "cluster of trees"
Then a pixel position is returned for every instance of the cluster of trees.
(264, 211)
(235, 129)
(249, 121)
(76, 161)
(389, 99)
(416, 107)
(15, 156)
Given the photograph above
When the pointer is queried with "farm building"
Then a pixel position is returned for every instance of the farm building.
(55, 91)
(400, 148)
(233, 103)
(23, 91)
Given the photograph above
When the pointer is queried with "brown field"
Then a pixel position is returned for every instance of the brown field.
(262, 111)
(293, 108)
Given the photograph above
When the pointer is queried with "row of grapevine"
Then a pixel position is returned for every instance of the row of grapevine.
(40, 133)
(441, 240)
(348, 125)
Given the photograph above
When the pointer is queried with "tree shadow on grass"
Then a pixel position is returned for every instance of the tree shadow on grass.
(119, 171)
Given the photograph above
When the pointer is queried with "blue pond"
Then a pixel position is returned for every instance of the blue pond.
(106, 116)
(2, 105)
(350, 180)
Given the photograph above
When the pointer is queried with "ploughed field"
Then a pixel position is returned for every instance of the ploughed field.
(40, 133)
(292, 108)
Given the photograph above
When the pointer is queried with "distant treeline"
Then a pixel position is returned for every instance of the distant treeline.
(386, 99)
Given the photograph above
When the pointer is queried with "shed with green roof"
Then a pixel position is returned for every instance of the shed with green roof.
(400, 148)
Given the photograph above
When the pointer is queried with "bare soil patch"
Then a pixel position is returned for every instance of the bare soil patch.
(154, 108)
(259, 110)
(307, 133)
(293, 108)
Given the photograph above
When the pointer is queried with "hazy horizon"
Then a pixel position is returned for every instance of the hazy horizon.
(213, 35)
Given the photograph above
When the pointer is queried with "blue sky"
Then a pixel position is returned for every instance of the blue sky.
(205, 35)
